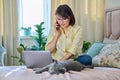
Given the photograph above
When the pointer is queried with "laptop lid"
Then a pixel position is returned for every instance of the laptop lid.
(37, 59)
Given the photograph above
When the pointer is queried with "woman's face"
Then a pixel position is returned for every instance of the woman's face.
(63, 22)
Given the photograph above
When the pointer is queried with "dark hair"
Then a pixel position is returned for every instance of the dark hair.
(66, 12)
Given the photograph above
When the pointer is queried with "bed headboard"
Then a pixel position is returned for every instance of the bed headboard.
(112, 23)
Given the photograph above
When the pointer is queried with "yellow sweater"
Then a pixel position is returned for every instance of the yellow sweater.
(69, 41)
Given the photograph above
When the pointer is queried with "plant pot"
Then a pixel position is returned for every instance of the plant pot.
(27, 32)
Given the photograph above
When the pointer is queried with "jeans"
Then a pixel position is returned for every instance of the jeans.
(84, 59)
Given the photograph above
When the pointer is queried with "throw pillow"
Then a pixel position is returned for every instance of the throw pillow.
(109, 56)
(95, 49)
(109, 41)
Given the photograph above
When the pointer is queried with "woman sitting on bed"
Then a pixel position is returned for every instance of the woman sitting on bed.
(65, 39)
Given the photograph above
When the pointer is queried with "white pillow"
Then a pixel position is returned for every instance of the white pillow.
(110, 41)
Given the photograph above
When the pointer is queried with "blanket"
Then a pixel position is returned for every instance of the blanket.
(23, 73)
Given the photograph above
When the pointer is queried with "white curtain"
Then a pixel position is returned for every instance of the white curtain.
(9, 23)
(88, 13)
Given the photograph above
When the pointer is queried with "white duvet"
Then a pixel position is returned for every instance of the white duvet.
(22, 73)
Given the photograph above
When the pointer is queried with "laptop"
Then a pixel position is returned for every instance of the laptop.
(37, 59)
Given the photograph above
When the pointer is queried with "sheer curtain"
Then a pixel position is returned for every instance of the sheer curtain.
(89, 15)
(9, 23)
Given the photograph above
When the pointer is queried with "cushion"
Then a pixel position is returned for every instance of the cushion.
(109, 41)
(109, 56)
(95, 49)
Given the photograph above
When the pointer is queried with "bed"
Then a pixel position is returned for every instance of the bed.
(103, 71)
(22, 73)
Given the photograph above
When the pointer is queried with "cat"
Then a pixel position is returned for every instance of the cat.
(58, 67)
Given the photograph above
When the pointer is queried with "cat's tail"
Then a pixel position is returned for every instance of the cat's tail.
(90, 66)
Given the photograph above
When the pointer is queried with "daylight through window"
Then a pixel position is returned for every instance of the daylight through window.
(31, 13)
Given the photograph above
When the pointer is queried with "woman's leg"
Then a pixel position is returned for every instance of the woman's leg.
(84, 59)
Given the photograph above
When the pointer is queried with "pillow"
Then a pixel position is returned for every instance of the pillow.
(95, 49)
(2, 52)
(109, 41)
(109, 56)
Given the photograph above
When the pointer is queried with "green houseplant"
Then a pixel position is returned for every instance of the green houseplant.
(39, 39)
(86, 46)
(20, 58)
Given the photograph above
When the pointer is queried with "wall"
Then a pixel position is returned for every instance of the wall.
(112, 3)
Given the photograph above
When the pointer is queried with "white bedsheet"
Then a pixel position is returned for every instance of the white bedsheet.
(22, 73)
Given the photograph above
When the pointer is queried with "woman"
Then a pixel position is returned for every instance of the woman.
(65, 39)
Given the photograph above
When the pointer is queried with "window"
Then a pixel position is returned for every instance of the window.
(34, 12)
(31, 13)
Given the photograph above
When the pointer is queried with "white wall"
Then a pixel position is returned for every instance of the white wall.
(112, 3)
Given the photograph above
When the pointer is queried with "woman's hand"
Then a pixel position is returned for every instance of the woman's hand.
(51, 46)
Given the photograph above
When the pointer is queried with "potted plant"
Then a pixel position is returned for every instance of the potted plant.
(86, 46)
(27, 30)
(20, 58)
(39, 38)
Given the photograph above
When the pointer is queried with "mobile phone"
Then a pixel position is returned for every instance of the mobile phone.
(58, 25)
